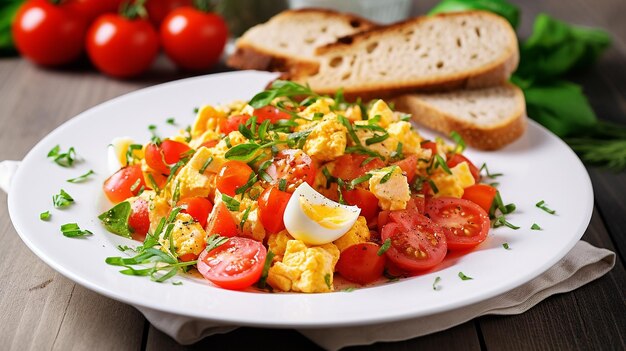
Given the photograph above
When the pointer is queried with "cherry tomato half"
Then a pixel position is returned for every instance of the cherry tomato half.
(361, 264)
(465, 224)
(232, 176)
(198, 208)
(351, 166)
(271, 113)
(408, 166)
(49, 34)
(363, 199)
(122, 47)
(272, 204)
(221, 222)
(118, 187)
(232, 123)
(193, 39)
(235, 265)
(480, 194)
(160, 157)
(139, 219)
(416, 242)
(293, 165)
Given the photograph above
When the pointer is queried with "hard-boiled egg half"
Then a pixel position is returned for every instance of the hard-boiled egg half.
(315, 219)
(116, 153)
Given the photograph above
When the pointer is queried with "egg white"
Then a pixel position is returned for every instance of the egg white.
(116, 153)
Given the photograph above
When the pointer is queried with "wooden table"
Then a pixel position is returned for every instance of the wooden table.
(40, 309)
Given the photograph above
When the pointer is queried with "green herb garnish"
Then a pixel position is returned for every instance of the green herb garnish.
(72, 230)
(44, 216)
(506, 246)
(464, 277)
(266, 268)
(116, 219)
(327, 281)
(205, 165)
(231, 203)
(541, 205)
(214, 241)
(435, 286)
(171, 121)
(81, 178)
(384, 247)
(280, 88)
(63, 159)
(535, 226)
(62, 199)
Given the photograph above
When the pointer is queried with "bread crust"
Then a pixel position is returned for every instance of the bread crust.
(250, 56)
(484, 138)
(492, 74)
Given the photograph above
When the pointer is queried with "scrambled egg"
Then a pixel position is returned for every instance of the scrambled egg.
(380, 108)
(187, 235)
(190, 181)
(359, 233)
(384, 148)
(403, 132)
(277, 243)
(453, 184)
(319, 106)
(207, 119)
(392, 194)
(327, 140)
(304, 269)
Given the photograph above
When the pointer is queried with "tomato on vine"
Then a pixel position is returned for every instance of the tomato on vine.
(123, 45)
(193, 37)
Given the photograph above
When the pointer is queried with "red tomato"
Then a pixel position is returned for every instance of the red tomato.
(49, 34)
(122, 47)
(383, 218)
(271, 113)
(160, 157)
(458, 158)
(159, 9)
(117, 187)
(91, 9)
(431, 145)
(361, 264)
(210, 143)
(232, 176)
(232, 123)
(351, 166)
(363, 199)
(139, 219)
(198, 208)
(408, 166)
(272, 203)
(194, 39)
(465, 224)
(480, 194)
(293, 165)
(221, 222)
(235, 265)
(158, 178)
(416, 242)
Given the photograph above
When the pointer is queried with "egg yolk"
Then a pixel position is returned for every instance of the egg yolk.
(330, 217)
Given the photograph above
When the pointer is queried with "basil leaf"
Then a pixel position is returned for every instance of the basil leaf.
(242, 152)
(115, 220)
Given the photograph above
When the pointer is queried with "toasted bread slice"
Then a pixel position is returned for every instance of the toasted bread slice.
(444, 52)
(487, 118)
(289, 40)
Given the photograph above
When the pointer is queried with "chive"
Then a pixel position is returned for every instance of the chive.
(205, 165)
(231, 203)
(535, 226)
(464, 277)
(244, 218)
(153, 183)
(327, 280)
(170, 121)
(372, 127)
(385, 246)
(63, 159)
(349, 289)
(367, 160)
(72, 230)
(435, 286)
(490, 175)
(440, 162)
(506, 246)
(81, 178)
(501, 221)
(214, 241)
(317, 116)
(263, 129)
(266, 268)
(329, 177)
(398, 153)
(175, 167)
(44, 216)
(251, 180)
(376, 139)
(359, 180)
(433, 186)
(343, 120)
(387, 176)
(405, 117)
(227, 141)
(460, 143)
(541, 205)
(282, 184)
(130, 156)
(176, 194)
(374, 120)
(177, 283)
(62, 199)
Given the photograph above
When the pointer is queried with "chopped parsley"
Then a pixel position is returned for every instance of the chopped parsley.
(231, 203)
(535, 226)
(44, 216)
(435, 283)
(72, 230)
(62, 199)
(506, 246)
(464, 277)
(171, 121)
(63, 159)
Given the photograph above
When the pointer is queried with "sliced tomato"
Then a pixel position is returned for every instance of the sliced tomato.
(221, 222)
(293, 165)
(480, 194)
(210, 143)
(232, 123)
(465, 223)
(416, 242)
(417, 203)
(363, 199)
(458, 158)
(139, 219)
(271, 113)
(235, 265)
(351, 166)
(125, 183)
(383, 218)
(361, 264)
(232, 176)
(272, 204)
(198, 208)
(159, 179)
(431, 145)
(160, 157)
(408, 166)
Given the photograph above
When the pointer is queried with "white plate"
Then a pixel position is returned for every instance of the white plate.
(537, 167)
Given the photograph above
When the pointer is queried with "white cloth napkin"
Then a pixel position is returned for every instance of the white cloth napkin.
(583, 264)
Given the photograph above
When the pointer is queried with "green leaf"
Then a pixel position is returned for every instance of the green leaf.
(501, 7)
(72, 230)
(464, 277)
(44, 216)
(242, 152)
(8, 9)
(385, 246)
(266, 268)
(116, 219)
(81, 178)
(62, 199)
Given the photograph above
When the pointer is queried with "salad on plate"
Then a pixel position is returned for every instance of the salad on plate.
(292, 190)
